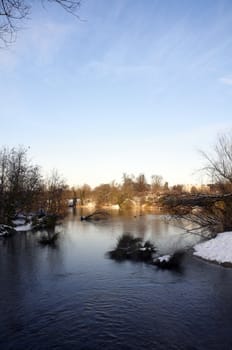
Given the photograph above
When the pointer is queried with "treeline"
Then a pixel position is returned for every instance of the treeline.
(131, 188)
(23, 189)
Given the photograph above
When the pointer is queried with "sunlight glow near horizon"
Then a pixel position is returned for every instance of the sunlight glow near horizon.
(130, 88)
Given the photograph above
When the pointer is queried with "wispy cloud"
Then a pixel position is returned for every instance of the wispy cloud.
(103, 69)
(8, 60)
(40, 44)
(227, 80)
(45, 39)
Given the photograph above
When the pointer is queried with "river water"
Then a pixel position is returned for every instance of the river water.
(73, 296)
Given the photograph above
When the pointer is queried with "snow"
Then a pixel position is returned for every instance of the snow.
(18, 222)
(26, 227)
(165, 258)
(218, 249)
(4, 230)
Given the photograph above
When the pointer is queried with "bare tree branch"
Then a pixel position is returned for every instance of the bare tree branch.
(209, 213)
(69, 5)
(14, 12)
(219, 163)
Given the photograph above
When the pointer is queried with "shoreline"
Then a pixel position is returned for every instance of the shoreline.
(217, 250)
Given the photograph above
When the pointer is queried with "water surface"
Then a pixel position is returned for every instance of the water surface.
(74, 297)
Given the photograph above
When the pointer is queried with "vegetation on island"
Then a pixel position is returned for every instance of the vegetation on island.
(135, 249)
(132, 248)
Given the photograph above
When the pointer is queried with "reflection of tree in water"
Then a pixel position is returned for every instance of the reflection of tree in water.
(141, 227)
(136, 225)
(49, 237)
(159, 225)
(149, 227)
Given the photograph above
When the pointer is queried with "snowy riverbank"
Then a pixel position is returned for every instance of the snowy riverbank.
(218, 249)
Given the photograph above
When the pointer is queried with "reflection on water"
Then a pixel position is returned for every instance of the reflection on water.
(74, 297)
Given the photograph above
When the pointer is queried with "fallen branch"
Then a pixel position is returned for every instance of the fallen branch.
(97, 215)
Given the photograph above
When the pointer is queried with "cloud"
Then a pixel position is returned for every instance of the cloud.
(41, 43)
(8, 60)
(101, 68)
(227, 80)
(46, 39)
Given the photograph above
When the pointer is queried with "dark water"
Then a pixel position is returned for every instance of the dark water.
(74, 297)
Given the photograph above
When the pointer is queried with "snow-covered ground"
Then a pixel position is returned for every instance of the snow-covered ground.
(26, 227)
(218, 249)
(18, 222)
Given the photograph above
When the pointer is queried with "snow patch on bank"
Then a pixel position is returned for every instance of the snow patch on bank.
(218, 249)
(23, 228)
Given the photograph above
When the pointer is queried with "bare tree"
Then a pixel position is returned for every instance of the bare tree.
(102, 195)
(208, 213)
(141, 185)
(3, 180)
(14, 12)
(83, 193)
(55, 199)
(128, 186)
(20, 183)
(219, 162)
(205, 214)
(156, 183)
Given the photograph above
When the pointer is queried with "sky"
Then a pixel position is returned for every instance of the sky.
(130, 87)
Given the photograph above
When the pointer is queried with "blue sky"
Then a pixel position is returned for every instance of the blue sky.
(133, 86)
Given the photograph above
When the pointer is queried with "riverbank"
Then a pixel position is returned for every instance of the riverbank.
(217, 250)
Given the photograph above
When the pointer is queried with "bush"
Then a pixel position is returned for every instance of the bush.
(132, 248)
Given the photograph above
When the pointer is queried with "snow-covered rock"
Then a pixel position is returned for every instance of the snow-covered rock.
(218, 249)
(18, 222)
(169, 261)
(6, 230)
(165, 258)
(22, 228)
